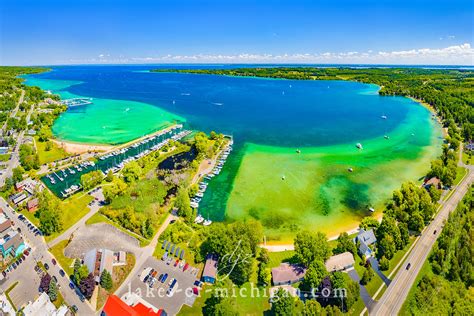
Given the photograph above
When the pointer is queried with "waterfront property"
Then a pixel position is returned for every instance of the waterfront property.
(66, 182)
(287, 273)
(340, 262)
(365, 239)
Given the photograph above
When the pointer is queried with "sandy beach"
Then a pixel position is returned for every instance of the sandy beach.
(76, 148)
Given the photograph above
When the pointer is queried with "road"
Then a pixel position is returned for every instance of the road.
(392, 300)
(145, 254)
(15, 157)
(94, 208)
(40, 253)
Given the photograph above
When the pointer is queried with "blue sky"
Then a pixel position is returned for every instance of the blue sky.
(138, 31)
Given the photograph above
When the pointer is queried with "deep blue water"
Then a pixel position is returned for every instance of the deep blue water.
(263, 111)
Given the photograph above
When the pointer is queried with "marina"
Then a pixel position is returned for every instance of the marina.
(220, 161)
(66, 182)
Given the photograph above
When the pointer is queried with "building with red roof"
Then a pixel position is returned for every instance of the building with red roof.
(116, 307)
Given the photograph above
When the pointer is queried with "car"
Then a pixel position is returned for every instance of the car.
(19, 260)
(146, 278)
(434, 233)
(46, 266)
(172, 221)
(154, 273)
(82, 298)
(74, 308)
(176, 263)
(4, 273)
(198, 283)
(163, 279)
(26, 252)
(408, 266)
(55, 279)
(19, 230)
(14, 265)
(23, 257)
(171, 281)
(53, 261)
(62, 273)
(71, 285)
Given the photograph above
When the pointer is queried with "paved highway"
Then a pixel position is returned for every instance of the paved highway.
(394, 297)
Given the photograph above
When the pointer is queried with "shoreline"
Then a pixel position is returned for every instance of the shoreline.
(81, 148)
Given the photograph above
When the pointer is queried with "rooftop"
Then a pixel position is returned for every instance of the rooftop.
(286, 272)
(340, 262)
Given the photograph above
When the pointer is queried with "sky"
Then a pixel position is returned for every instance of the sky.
(50, 32)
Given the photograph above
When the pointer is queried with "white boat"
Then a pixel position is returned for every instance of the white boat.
(386, 137)
(350, 170)
(359, 145)
(384, 117)
(207, 222)
(199, 219)
(371, 209)
(200, 194)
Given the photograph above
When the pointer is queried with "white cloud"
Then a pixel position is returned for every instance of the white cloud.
(462, 54)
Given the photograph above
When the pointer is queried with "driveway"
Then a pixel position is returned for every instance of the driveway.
(375, 266)
(368, 301)
(100, 235)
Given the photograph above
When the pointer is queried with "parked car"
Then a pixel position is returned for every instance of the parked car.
(434, 233)
(62, 273)
(74, 308)
(46, 266)
(55, 279)
(408, 266)
(53, 261)
(71, 285)
(163, 279)
(4, 273)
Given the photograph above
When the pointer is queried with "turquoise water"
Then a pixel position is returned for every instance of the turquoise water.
(269, 119)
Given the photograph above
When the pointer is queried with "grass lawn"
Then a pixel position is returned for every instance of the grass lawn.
(120, 273)
(467, 158)
(4, 157)
(74, 209)
(55, 153)
(99, 218)
(59, 300)
(460, 174)
(58, 252)
(31, 217)
(278, 257)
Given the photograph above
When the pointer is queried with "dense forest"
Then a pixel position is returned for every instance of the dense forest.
(446, 285)
(450, 92)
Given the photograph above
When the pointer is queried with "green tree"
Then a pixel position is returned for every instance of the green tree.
(367, 276)
(110, 176)
(369, 222)
(44, 134)
(345, 243)
(182, 203)
(50, 221)
(91, 179)
(386, 247)
(310, 247)
(435, 194)
(312, 308)
(53, 290)
(80, 271)
(106, 280)
(283, 303)
(314, 275)
(404, 234)
(18, 174)
(384, 263)
(416, 223)
(131, 171)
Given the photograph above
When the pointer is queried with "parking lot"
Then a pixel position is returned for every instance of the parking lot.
(158, 295)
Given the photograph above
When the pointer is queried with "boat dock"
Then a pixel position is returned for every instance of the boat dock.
(67, 181)
(76, 101)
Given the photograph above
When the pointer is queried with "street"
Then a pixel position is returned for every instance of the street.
(40, 253)
(394, 297)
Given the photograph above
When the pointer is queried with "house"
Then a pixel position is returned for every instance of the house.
(340, 262)
(98, 260)
(5, 224)
(32, 205)
(469, 147)
(287, 273)
(209, 273)
(365, 239)
(43, 306)
(434, 181)
(3, 146)
(19, 198)
(11, 243)
(116, 307)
